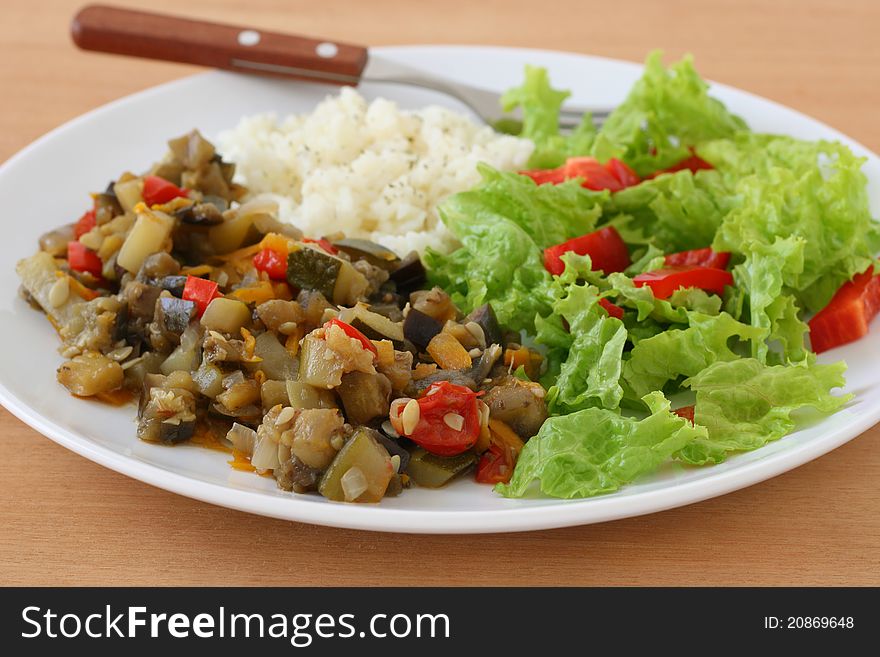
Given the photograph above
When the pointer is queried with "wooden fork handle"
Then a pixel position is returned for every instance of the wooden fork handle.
(158, 36)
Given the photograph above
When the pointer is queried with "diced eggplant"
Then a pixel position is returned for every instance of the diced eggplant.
(375, 254)
(106, 206)
(483, 366)
(55, 241)
(140, 300)
(39, 274)
(89, 374)
(313, 304)
(192, 150)
(276, 312)
(518, 404)
(410, 274)
(434, 303)
(296, 476)
(360, 472)
(458, 377)
(158, 265)
(399, 370)
(173, 432)
(173, 284)
(240, 395)
(364, 396)
(301, 395)
(420, 328)
(432, 471)
(320, 366)
(226, 315)
(174, 315)
(316, 436)
(488, 321)
(200, 214)
(167, 410)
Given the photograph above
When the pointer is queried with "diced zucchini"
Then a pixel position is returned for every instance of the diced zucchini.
(301, 395)
(311, 269)
(432, 471)
(362, 451)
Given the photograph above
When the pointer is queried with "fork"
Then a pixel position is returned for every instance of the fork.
(158, 36)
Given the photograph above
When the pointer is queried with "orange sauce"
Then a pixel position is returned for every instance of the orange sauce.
(240, 461)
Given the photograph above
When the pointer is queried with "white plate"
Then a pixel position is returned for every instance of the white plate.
(47, 183)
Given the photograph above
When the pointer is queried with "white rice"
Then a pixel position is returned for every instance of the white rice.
(367, 169)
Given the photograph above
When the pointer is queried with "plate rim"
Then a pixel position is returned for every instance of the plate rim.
(561, 513)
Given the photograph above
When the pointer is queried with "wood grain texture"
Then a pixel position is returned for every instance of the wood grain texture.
(65, 520)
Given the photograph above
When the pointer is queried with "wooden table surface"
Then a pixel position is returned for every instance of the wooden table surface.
(66, 520)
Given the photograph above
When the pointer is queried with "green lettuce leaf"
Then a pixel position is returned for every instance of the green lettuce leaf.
(586, 359)
(540, 105)
(745, 404)
(667, 111)
(675, 212)
(792, 194)
(597, 451)
(658, 360)
(503, 225)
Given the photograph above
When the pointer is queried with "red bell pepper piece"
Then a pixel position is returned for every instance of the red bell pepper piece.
(614, 175)
(200, 291)
(699, 258)
(543, 176)
(84, 224)
(620, 170)
(846, 318)
(273, 262)
(595, 176)
(324, 244)
(612, 309)
(663, 282)
(83, 259)
(438, 433)
(158, 191)
(687, 412)
(605, 247)
(352, 332)
(693, 163)
(496, 465)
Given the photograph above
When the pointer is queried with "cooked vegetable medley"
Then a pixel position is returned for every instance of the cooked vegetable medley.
(671, 258)
(321, 361)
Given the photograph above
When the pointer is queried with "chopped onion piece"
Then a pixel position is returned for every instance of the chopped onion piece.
(242, 438)
(354, 483)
